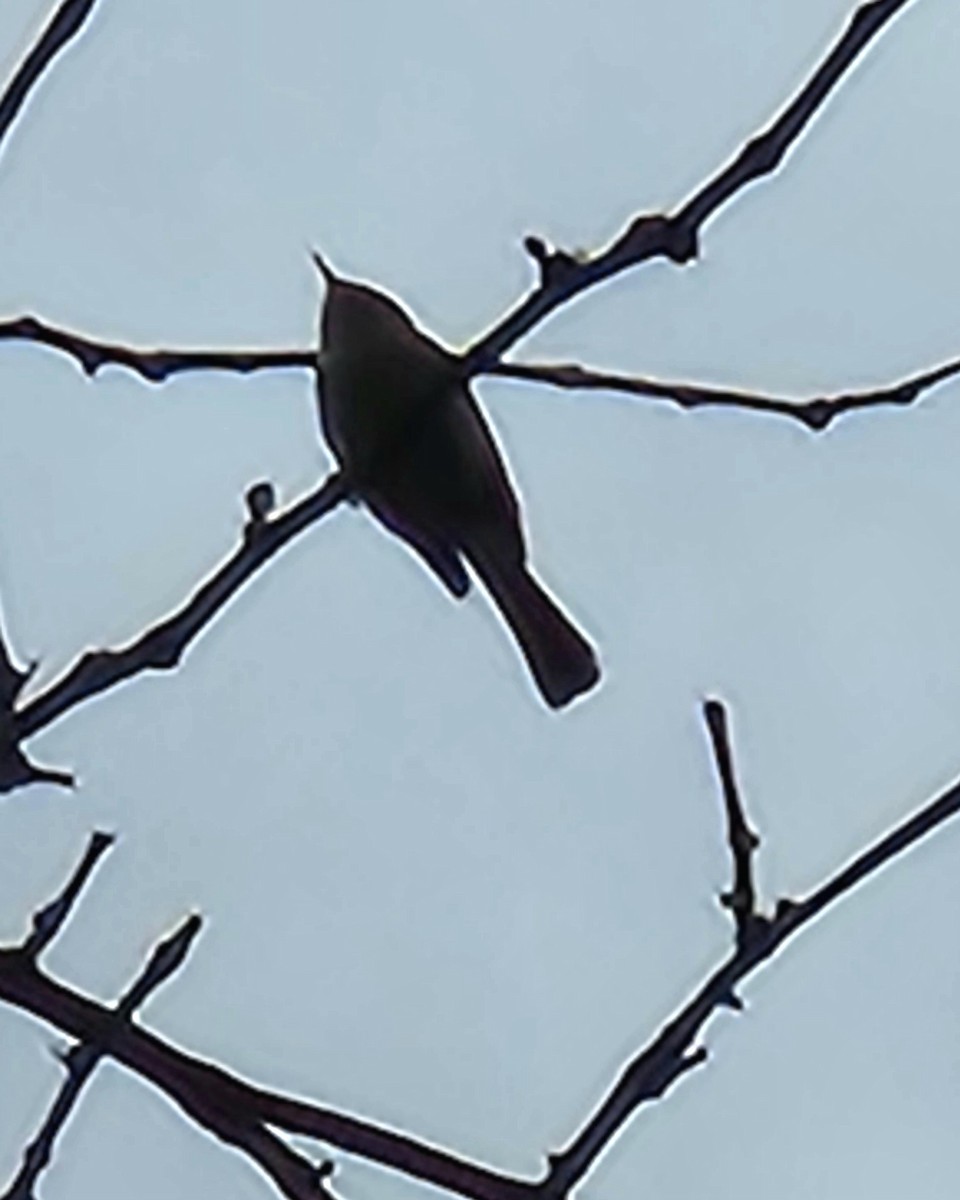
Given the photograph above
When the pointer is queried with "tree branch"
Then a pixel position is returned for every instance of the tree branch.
(671, 1054)
(743, 842)
(163, 645)
(16, 770)
(817, 413)
(294, 1175)
(240, 1114)
(564, 276)
(154, 365)
(49, 920)
(228, 1106)
(65, 24)
(82, 1060)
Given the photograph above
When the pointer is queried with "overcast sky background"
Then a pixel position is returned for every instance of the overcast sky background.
(429, 900)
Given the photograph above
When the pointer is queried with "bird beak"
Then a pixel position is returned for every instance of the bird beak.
(323, 268)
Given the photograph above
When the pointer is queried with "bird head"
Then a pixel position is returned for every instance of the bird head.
(356, 316)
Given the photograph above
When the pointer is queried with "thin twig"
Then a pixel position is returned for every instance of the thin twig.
(16, 769)
(229, 1106)
(154, 365)
(563, 276)
(743, 842)
(671, 1054)
(49, 920)
(65, 24)
(816, 414)
(163, 645)
(233, 1109)
(82, 1060)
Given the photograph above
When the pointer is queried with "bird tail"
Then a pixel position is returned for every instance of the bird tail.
(560, 659)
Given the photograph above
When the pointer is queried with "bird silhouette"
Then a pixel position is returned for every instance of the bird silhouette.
(397, 412)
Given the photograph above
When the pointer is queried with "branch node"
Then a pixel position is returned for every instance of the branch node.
(261, 500)
(556, 266)
(818, 414)
(732, 1001)
(694, 1059)
(16, 771)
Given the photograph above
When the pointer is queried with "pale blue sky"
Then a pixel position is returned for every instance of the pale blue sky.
(430, 901)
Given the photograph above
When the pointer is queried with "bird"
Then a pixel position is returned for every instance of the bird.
(397, 412)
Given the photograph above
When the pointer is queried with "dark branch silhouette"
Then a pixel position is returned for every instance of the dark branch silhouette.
(564, 276)
(294, 1175)
(672, 1053)
(81, 1061)
(817, 414)
(156, 366)
(49, 920)
(243, 1115)
(743, 842)
(16, 770)
(153, 365)
(65, 24)
(161, 647)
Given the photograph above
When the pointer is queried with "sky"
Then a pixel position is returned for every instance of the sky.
(429, 900)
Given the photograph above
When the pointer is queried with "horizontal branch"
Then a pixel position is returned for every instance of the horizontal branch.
(154, 365)
(816, 414)
(65, 24)
(564, 276)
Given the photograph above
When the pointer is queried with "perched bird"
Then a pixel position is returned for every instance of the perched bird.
(399, 417)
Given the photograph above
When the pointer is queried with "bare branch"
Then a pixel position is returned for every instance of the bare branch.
(65, 24)
(670, 1055)
(229, 1107)
(563, 276)
(49, 920)
(240, 1113)
(156, 366)
(817, 413)
(82, 1060)
(153, 365)
(162, 646)
(743, 842)
(16, 770)
(295, 1176)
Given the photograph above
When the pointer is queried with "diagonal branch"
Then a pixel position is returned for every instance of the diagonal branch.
(65, 24)
(240, 1114)
(563, 276)
(162, 646)
(672, 1053)
(294, 1175)
(82, 1060)
(230, 1108)
(49, 920)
